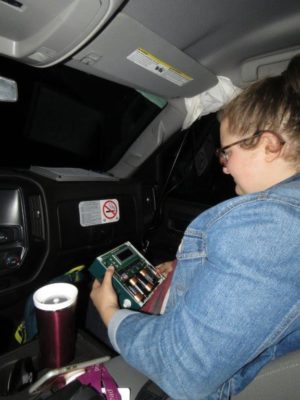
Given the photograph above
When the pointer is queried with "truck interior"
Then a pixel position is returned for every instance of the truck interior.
(117, 100)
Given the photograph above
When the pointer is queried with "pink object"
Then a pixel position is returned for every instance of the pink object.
(98, 377)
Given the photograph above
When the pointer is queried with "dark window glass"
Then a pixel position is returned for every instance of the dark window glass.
(69, 118)
(192, 171)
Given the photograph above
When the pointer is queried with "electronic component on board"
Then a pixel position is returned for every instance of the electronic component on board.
(134, 279)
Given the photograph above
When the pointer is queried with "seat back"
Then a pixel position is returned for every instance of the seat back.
(278, 380)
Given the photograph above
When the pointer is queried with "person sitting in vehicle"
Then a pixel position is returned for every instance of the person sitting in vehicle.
(234, 301)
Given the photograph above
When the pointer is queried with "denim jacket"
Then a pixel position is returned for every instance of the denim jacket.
(234, 303)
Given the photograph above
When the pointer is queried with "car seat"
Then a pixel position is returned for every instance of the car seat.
(278, 380)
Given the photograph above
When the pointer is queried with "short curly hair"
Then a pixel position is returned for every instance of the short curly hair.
(271, 103)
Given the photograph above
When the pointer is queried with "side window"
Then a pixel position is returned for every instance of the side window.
(188, 179)
(197, 175)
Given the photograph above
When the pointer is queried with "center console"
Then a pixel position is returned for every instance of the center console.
(16, 366)
(87, 348)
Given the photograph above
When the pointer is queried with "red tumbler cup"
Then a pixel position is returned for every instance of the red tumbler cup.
(55, 311)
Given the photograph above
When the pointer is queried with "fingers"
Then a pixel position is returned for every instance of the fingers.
(106, 280)
(104, 296)
(96, 284)
(108, 276)
(165, 267)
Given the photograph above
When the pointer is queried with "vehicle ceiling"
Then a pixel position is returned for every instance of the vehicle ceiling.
(241, 39)
(222, 35)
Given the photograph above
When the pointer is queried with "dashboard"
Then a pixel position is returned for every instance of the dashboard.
(42, 233)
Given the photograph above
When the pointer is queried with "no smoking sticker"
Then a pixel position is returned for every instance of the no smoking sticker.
(97, 212)
(110, 210)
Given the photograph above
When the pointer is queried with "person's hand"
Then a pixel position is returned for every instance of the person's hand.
(104, 296)
(165, 267)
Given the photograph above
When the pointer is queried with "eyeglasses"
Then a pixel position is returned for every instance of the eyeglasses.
(222, 154)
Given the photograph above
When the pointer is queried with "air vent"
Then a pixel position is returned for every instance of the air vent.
(36, 217)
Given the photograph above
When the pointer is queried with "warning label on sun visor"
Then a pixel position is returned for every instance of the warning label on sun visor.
(97, 212)
(153, 64)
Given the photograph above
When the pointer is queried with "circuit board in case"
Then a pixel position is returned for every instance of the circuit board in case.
(134, 279)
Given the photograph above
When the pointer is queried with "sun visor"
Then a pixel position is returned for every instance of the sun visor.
(209, 101)
(42, 33)
(129, 53)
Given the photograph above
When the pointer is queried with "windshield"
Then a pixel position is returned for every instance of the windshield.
(68, 118)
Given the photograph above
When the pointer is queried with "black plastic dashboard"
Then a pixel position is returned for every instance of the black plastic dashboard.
(41, 230)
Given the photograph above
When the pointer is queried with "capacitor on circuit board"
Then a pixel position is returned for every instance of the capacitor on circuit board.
(146, 284)
(135, 292)
(135, 282)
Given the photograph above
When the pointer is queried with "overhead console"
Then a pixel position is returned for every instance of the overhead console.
(50, 31)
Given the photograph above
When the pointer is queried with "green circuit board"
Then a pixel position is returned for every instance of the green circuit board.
(134, 279)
